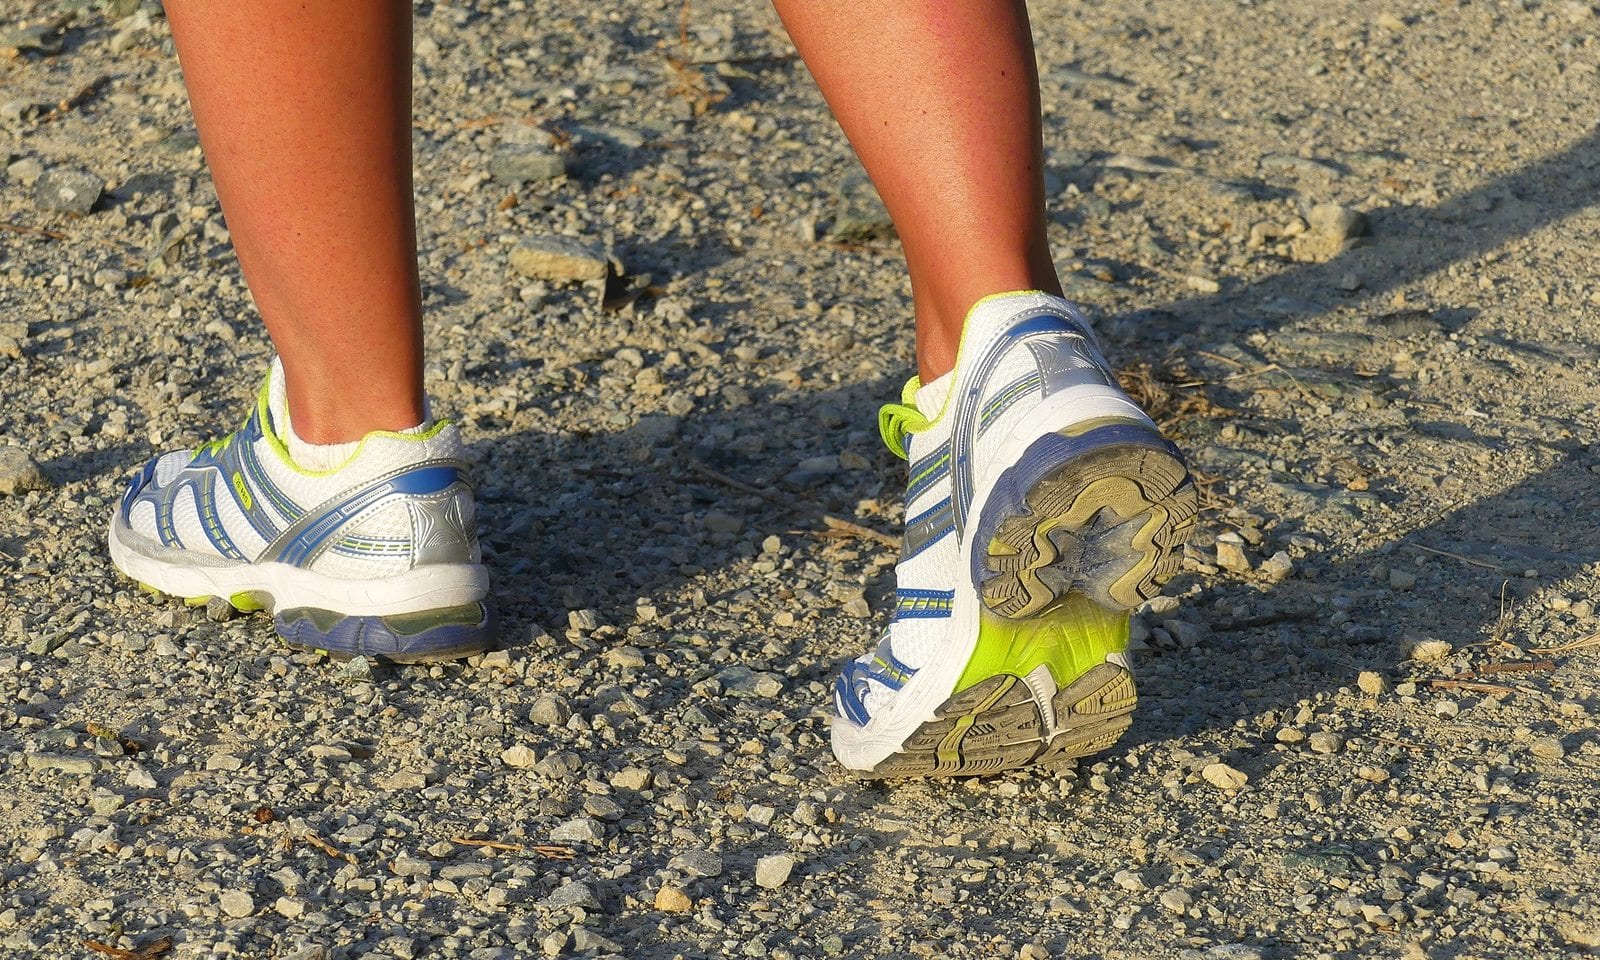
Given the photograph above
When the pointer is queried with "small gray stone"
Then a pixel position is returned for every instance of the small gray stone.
(18, 472)
(67, 190)
(26, 171)
(1278, 566)
(773, 872)
(697, 863)
(1325, 742)
(1336, 222)
(571, 895)
(237, 903)
(585, 940)
(406, 865)
(558, 259)
(1401, 579)
(72, 766)
(514, 164)
(578, 830)
(551, 710)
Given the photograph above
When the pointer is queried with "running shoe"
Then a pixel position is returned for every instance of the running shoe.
(1042, 506)
(378, 557)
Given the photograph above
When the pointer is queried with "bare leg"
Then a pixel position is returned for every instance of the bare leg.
(304, 111)
(940, 99)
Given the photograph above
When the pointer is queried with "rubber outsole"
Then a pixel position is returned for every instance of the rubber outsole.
(431, 636)
(1109, 524)
(1086, 525)
(999, 724)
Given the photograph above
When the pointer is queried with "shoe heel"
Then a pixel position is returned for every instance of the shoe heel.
(1102, 513)
(1045, 690)
(449, 633)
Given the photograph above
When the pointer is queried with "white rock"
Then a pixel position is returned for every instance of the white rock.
(773, 872)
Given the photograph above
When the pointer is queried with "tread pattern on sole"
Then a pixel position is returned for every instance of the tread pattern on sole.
(1109, 525)
(997, 725)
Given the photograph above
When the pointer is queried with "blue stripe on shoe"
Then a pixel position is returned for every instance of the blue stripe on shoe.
(303, 542)
(912, 604)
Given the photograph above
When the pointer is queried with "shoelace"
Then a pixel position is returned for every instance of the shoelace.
(895, 420)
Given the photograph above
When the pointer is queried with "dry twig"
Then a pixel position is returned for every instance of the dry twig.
(149, 951)
(1582, 643)
(329, 848)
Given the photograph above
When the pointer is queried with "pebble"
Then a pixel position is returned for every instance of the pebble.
(237, 903)
(520, 757)
(1325, 742)
(25, 171)
(1178, 901)
(72, 766)
(18, 472)
(68, 190)
(773, 871)
(1230, 553)
(1372, 683)
(571, 895)
(1224, 777)
(1278, 567)
(673, 900)
(558, 259)
(1448, 709)
(697, 863)
(550, 710)
(291, 907)
(406, 865)
(1548, 748)
(578, 830)
(1431, 651)
(631, 778)
(1401, 579)
(515, 164)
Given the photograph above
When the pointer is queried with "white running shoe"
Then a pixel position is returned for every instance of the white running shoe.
(377, 557)
(1042, 506)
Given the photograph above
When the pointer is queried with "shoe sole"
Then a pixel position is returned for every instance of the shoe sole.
(1086, 525)
(429, 636)
(449, 632)
(999, 724)
(1108, 523)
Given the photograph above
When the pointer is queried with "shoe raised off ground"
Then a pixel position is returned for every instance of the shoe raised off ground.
(1042, 506)
(378, 557)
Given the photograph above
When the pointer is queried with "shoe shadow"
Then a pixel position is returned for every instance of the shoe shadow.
(1272, 646)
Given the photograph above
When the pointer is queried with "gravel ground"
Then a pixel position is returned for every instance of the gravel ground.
(1343, 249)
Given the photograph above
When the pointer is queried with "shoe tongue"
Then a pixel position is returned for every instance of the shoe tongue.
(930, 397)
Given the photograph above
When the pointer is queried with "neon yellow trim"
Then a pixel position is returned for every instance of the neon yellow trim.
(895, 420)
(1072, 639)
(243, 491)
(277, 446)
(247, 602)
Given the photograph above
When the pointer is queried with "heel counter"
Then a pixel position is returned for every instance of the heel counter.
(444, 526)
